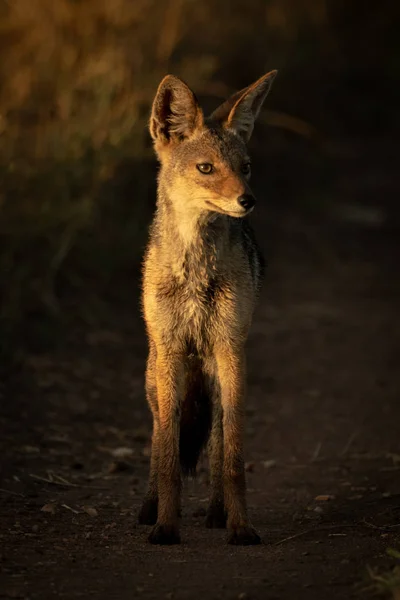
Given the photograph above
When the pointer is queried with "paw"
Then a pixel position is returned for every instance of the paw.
(216, 517)
(164, 535)
(148, 512)
(243, 536)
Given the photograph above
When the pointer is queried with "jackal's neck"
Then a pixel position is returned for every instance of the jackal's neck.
(191, 240)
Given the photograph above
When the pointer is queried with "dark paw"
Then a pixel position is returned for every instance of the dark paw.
(148, 512)
(243, 536)
(165, 535)
(216, 517)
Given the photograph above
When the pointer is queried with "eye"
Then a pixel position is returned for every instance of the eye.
(246, 168)
(205, 168)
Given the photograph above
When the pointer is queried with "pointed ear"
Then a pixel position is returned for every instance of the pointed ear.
(176, 114)
(241, 110)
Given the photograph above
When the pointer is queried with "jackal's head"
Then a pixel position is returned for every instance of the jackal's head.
(205, 163)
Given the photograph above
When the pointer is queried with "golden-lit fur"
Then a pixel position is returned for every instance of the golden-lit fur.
(201, 276)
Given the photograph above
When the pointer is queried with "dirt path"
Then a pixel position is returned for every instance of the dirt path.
(323, 419)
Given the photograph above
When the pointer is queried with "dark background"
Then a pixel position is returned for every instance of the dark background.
(78, 174)
(77, 192)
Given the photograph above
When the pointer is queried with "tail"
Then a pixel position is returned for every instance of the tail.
(195, 422)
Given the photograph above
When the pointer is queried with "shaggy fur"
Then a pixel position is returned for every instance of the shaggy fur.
(202, 272)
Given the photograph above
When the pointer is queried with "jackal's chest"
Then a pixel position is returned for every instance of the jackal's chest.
(198, 318)
(195, 301)
(190, 307)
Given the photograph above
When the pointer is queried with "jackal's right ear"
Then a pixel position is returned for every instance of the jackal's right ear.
(176, 113)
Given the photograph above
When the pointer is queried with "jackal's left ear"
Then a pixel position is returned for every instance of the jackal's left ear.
(176, 113)
(241, 110)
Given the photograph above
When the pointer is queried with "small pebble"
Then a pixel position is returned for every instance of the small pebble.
(268, 464)
(118, 466)
(89, 510)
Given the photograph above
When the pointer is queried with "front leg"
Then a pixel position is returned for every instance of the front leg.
(170, 386)
(149, 508)
(231, 372)
(148, 511)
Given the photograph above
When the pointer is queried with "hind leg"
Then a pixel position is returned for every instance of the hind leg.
(216, 515)
(148, 511)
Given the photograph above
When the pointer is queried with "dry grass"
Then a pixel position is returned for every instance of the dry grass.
(76, 81)
(74, 95)
(386, 584)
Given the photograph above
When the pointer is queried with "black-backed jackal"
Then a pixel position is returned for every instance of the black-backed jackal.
(202, 272)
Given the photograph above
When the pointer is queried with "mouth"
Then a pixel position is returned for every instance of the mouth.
(231, 213)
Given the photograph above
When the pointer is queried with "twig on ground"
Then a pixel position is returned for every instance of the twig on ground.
(349, 442)
(76, 512)
(316, 452)
(329, 527)
(4, 491)
(65, 483)
(380, 528)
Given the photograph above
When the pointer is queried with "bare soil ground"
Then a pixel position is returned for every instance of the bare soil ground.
(322, 444)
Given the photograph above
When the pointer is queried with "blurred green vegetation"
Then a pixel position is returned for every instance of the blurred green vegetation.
(77, 78)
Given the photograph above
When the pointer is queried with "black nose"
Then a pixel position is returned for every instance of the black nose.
(247, 201)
